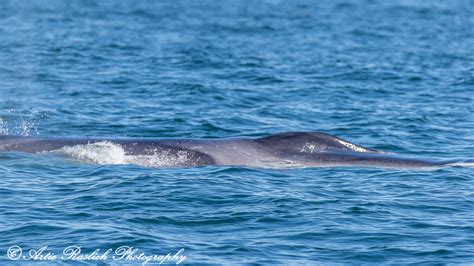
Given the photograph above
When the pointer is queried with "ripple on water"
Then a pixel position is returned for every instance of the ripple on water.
(389, 76)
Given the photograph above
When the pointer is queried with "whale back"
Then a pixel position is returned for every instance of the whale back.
(309, 142)
(176, 155)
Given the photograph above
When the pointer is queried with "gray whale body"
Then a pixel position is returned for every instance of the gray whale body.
(304, 149)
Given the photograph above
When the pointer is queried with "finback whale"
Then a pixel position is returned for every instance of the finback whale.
(291, 149)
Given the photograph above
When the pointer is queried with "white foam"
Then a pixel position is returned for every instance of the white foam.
(106, 152)
(159, 159)
(100, 153)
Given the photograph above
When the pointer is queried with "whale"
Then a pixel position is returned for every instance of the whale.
(290, 149)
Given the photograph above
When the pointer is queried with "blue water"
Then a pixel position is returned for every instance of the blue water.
(390, 75)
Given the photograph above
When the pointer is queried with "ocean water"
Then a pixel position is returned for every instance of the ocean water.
(391, 75)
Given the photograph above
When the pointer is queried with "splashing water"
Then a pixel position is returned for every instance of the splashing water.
(100, 153)
(23, 123)
(106, 152)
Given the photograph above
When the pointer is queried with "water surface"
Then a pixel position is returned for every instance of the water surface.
(391, 75)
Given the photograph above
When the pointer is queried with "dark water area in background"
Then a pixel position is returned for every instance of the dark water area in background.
(390, 75)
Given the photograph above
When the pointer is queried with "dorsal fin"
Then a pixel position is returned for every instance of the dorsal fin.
(309, 142)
